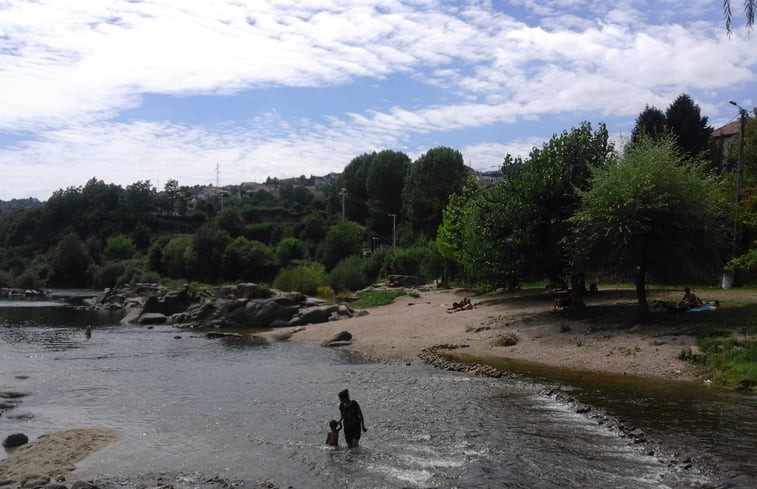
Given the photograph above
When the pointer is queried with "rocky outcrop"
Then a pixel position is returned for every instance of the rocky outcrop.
(245, 305)
(9, 293)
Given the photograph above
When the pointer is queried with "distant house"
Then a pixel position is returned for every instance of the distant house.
(723, 137)
(255, 187)
(320, 182)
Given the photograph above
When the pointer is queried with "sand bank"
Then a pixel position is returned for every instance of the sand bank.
(400, 331)
(52, 455)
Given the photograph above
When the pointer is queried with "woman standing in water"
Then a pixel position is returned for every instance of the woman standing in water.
(351, 419)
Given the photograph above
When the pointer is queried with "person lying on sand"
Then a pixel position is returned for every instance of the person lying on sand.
(463, 305)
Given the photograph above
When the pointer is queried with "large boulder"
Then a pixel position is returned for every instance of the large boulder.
(341, 338)
(404, 281)
(313, 315)
(171, 303)
(152, 318)
(15, 440)
(264, 313)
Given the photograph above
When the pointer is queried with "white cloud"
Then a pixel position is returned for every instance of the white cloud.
(68, 69)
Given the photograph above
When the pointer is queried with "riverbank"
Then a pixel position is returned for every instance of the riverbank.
(52, 456)
(399, 332)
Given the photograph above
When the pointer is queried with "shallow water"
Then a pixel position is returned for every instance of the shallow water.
(240, 410)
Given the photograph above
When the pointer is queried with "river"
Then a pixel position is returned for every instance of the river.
(198, 408)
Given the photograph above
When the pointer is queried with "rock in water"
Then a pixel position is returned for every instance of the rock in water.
(15, 440)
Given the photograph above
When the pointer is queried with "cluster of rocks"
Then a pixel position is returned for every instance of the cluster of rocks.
(244, 305)
(432, 357)
(163, 481)
(39, 481)
(10, 400)
(407, 283)
(10, 293)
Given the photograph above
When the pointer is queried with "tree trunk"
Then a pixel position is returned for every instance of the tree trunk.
(641, 290)
(577, 292)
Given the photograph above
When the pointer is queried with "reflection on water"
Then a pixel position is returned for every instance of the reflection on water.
(239, 409)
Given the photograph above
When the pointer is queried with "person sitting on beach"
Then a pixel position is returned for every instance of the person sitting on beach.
(332, 437)
(463, 305)
(689, 300)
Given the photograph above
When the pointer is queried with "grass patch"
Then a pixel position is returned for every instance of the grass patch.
(375, 298)
(510, 339)
(727, 339)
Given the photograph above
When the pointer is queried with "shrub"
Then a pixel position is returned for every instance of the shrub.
(509, 339)
(28, 279)
(305, 279)
(6, 279)
(415, 260)
(349, 274)
(119, 247)
(108, 274)
(248, 260)
(326, 293)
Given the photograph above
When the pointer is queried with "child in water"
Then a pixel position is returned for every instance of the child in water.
(332, 437)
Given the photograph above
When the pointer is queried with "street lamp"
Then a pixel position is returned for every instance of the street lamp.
(739, 165)
(740, 162)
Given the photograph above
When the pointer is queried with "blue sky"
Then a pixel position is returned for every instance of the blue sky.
(158, 89)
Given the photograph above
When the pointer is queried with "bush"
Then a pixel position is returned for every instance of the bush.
(119, 247)
(350, 274)
(28, 279)
(326, 293)
(248, 260)
(108, 274)
(6, 279)
(305, 279)
(415, 260)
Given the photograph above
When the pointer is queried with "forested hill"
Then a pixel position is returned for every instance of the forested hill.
(16, 203)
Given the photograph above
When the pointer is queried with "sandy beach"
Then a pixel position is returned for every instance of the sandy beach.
(51, 456)
(400, 331)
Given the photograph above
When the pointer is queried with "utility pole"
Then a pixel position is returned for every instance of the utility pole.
(739, 172)
(218, 181)
(394, 230)
(343, 195)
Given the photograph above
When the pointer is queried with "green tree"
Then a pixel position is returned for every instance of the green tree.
(342, 240)
(175, 257)
(230, 220)
(289, 249)
(651, 211)
(353, 180)
(650, 123)
(456, 231)
(208, 245)
(690, 128)
(429, 182)
(383, 183)
(119, 247)
(70, 263)
(248, 260)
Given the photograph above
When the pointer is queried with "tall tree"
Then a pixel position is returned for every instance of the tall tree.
(650, 123)
(690, 128)
(651, 211)
(383, 184)
(429, 182)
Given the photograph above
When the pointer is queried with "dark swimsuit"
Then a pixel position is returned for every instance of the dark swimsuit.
(351, 421)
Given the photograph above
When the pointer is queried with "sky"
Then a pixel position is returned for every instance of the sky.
(232, 91)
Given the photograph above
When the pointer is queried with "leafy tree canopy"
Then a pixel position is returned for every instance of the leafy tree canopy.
(652, 211)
